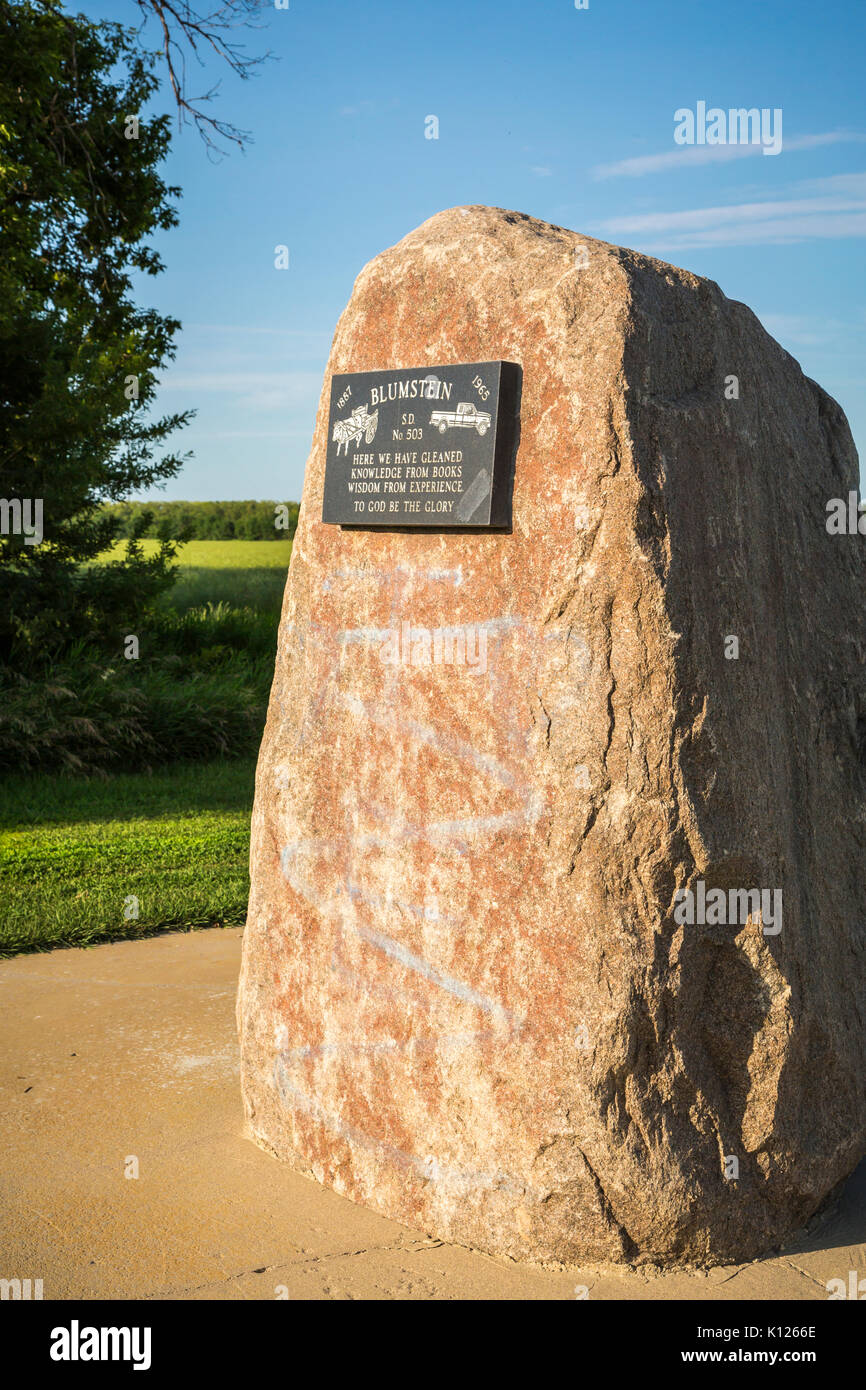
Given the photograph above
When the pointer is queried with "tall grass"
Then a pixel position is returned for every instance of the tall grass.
(241, 587)
(92, 718)
(198, 690)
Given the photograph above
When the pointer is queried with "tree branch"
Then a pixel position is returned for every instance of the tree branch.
(184, 27)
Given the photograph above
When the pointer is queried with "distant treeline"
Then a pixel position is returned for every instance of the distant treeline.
(210, 521)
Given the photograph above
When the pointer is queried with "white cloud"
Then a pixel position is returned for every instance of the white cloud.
(840, 184)
(195, 434)
(712, 217)
(702, 218)
(771, 221)
(541, 170)
(251, 390)
(795, 328)
(836, 338)
(687, 156)
(317, 335)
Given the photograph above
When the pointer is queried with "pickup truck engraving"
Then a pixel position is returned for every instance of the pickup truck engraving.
(464, 417)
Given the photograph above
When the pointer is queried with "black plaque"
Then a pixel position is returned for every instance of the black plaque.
(422, 446)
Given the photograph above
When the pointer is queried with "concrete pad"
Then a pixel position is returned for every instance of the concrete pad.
(127, 1052)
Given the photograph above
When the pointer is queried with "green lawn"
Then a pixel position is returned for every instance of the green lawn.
(74, 850)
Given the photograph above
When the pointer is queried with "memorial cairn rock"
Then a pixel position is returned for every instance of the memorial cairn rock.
(556, 932)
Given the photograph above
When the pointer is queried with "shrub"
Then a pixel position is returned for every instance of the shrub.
(89, 717)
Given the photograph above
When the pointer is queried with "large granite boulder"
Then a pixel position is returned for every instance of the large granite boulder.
(489, 986)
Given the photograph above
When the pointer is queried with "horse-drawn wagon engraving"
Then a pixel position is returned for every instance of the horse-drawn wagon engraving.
(360, 424)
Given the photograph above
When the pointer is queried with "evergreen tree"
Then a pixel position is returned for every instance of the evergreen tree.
(80, 195)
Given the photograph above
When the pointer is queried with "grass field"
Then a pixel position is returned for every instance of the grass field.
(231, 555)
(75, 851)
(249, 574)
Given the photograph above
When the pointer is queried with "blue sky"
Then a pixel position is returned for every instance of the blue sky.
(562, 113)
